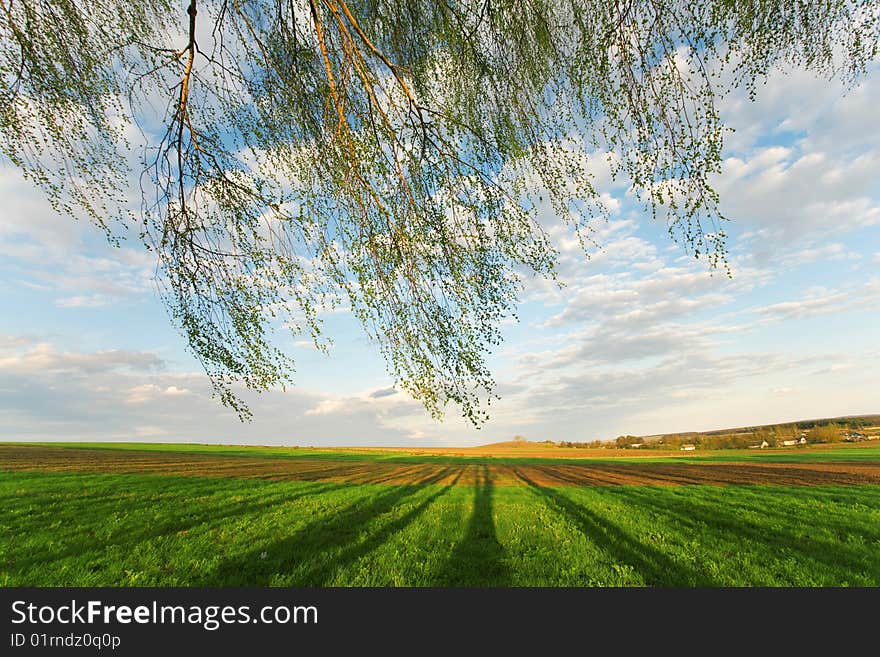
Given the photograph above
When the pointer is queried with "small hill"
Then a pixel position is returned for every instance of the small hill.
(853, 421)
(849, 428)
(519, 444)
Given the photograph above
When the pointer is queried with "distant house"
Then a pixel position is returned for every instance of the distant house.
(789, 443)
(764, 445)
(688, 448)
(803, 440)
(635, 445)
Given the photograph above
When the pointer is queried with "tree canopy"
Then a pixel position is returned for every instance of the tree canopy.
(294, 156)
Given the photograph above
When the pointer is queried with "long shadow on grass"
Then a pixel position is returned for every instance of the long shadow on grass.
(215, 510)
(655, 567)
(328, 543)
(478, 559)
(775, 537)
(323, 573)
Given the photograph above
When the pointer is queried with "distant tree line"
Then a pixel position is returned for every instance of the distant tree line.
(623, 442)
(593, 444)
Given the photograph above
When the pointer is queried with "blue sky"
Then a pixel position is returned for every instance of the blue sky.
(642, 339)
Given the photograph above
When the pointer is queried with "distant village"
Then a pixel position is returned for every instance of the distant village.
(790, 435)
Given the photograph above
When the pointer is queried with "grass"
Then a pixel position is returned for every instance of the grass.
(97, 529)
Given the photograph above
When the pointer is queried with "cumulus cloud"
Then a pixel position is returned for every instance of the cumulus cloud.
(821, 180)
(150, 392)
(616, 345)
(61, 254)
(819, 303)
(44, 358)
(49, 393)
(834, 252)
(590, 402)
(327, 407)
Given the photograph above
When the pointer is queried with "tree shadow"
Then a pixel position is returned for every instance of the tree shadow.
(478, 559)
(774, 535)
(322, 574)
(329, 543)
(656, 568)
(138, 528)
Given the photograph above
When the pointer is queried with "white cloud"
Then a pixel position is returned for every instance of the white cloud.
(821, 301)
(826, 253)
(81, 301)
(834, 368)
(47, 393)
(149, 392)
(327, 407)
(64, 255)
(44, 358)
(822, 179)
(817, 304)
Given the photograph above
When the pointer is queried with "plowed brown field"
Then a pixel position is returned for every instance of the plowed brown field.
(588, 473)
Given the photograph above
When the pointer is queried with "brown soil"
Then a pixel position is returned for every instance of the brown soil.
(61, 459)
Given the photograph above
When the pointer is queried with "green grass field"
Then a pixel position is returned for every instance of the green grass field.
(462, 524)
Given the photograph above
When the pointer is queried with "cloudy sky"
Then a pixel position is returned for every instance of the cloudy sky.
(641, 340)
